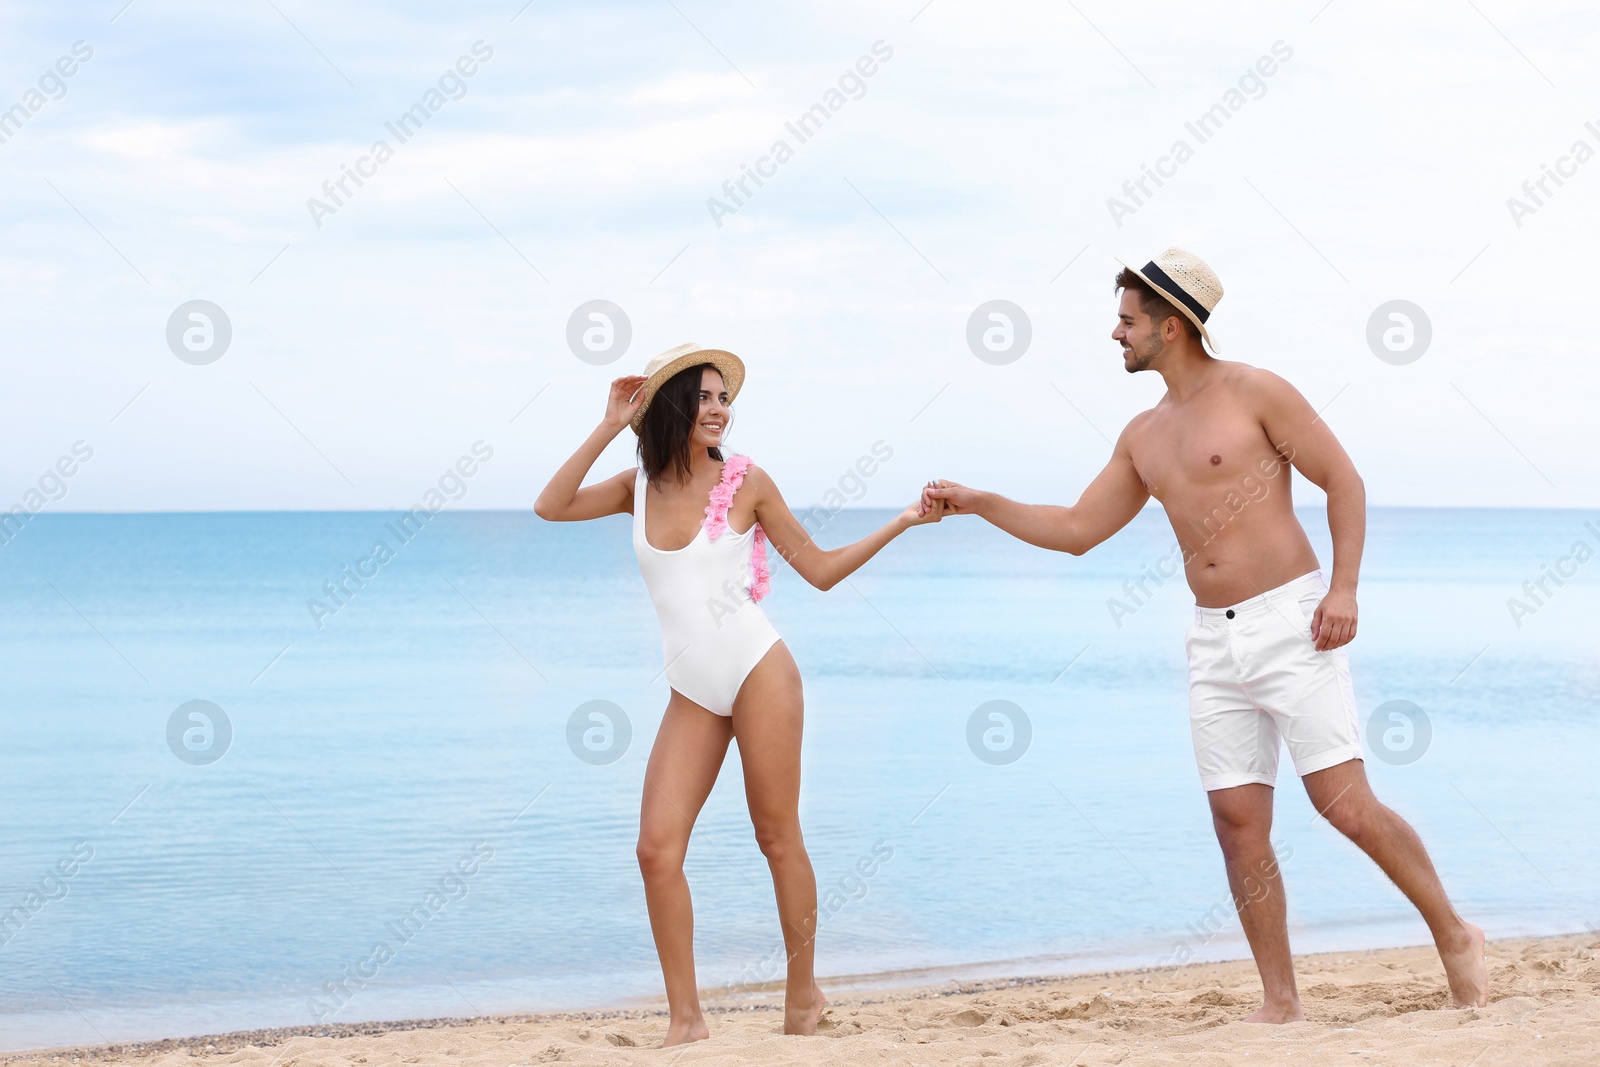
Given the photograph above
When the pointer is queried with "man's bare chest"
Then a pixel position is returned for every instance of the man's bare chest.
(1179, 454)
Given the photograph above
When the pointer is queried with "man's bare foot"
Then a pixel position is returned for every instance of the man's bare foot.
(802, 1018)
(1468, 971)
(683, 1031)
(1274, 1012)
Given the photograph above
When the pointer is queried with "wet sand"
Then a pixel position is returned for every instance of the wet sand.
(1382, 1006)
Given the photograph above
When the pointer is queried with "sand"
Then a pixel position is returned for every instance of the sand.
(1379, 1007)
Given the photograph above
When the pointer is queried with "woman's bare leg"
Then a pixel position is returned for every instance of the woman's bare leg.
(767, 720)
(683, 767)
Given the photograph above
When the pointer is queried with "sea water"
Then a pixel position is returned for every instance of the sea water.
(388, 810)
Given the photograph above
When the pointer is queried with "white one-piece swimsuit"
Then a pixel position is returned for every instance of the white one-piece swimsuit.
(713, 632)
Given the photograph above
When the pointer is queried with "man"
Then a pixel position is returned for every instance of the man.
(1266, 656)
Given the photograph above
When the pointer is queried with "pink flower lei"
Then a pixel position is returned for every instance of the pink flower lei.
(716, 521)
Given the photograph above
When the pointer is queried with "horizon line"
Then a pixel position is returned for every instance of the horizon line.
(63, 512)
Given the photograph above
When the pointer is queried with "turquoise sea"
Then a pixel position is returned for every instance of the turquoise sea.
(386, 815)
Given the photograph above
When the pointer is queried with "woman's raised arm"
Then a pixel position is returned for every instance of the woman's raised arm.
(566, 498)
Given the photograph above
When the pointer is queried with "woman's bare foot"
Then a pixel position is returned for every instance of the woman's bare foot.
(802, 1018)
(1272, 1012)
(1468, 971)
(683, 1031)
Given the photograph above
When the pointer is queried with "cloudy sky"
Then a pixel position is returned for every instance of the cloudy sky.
(1368, 154)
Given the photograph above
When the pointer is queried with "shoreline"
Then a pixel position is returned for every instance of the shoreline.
(233, 1017)
(870, 1009)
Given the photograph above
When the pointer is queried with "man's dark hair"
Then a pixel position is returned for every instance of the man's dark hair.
(1158, 307)
(668, 422)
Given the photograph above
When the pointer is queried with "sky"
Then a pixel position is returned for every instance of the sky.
(1360, 154)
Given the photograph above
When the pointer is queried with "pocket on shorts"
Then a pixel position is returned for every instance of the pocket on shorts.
(1202, 647)
(1307, 604)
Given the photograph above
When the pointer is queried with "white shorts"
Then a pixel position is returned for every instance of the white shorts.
(1255, 675)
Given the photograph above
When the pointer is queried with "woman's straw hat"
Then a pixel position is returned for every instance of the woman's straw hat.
(673, 360)
(1187, 283)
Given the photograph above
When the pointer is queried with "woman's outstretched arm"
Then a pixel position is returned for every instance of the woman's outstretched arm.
(566, 498)
(824, 567)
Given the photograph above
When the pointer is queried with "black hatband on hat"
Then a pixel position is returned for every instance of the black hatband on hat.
(1161, 278)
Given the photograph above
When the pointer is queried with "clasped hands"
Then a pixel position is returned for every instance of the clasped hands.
(940, 498)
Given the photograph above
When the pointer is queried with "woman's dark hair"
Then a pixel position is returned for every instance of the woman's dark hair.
(668, 422)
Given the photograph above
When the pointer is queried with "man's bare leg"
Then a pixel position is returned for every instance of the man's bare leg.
(1343, 796)
(1243, 820)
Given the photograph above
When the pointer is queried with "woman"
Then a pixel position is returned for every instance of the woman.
(700, 523)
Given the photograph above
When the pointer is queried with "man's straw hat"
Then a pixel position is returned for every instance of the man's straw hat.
(673, 360)
(1185, 280)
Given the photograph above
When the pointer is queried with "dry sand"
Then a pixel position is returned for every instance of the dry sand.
(1377, 1007)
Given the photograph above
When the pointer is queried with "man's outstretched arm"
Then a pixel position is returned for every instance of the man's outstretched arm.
(1106, 506)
